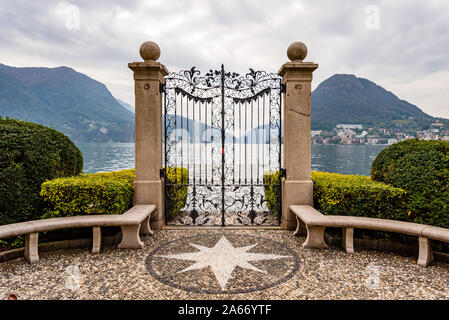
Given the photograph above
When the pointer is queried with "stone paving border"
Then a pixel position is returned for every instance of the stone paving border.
(255, 287)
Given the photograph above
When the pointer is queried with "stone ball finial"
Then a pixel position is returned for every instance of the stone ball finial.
(150, 51)
(297, 51)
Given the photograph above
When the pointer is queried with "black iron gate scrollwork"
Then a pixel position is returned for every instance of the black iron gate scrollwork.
(222, 147)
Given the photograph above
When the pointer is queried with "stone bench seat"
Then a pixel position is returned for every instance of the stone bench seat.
(134, 222)
(316, 224)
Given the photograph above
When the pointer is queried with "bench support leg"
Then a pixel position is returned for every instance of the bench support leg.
(348, 240)
(315, 237)
(299, 227)
(31, 247)
(130, 238)
(425, 252)
(145, 228)
(97, 241)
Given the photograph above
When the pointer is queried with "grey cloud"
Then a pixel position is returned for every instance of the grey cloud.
(412, 41)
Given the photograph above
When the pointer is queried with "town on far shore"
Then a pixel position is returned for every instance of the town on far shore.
(362, 134)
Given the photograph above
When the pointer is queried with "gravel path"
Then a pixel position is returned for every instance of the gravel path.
(275, 268)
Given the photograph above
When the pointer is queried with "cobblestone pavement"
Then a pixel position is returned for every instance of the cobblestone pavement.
(223, 264)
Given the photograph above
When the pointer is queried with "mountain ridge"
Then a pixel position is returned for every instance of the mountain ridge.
(127, 106)
(67, 100)
(345, 98)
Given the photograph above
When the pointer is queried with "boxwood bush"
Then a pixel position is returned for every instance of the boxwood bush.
(337, 194)
(272, 183)
(177, 189)
(30, 154)
(422, 169)
(100, 193)
(86, 194)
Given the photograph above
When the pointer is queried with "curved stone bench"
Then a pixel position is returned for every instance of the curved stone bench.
(316, 223)
(133, 222)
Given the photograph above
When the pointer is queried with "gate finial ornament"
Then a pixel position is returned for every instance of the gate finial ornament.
(150, 51)
(297, 51)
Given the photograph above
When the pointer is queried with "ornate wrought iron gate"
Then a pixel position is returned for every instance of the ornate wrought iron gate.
(222, 148)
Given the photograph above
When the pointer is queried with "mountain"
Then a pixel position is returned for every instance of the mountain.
(66, 100)
(127, 106)
(262, 134)
(346, 99)
(197, 131)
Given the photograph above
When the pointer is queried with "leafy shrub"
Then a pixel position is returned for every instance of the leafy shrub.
(30, 154)
(272, 185)
(100, 193)
(86, 194)
(338, 194)
(422, 169)
(351, 195)
(176, 184)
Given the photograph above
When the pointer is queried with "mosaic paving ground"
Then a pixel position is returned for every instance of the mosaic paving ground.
(223, 264)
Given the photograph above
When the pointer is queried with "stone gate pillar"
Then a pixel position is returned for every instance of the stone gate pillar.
(148, 77)
(297, 187)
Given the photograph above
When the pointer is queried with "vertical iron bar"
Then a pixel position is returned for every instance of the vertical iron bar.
(240, 143)
(201, 140)
(251, 141)
(205, 144)
(258, 139)
(251, 154)
(222, 146)
(264, 134)
(194, 156)
(246, 140)
(212, 142)
(269, 133)
(182, 140)
(280, 153)
(165, 151)
(193, 142)
(188, 141)
(280, 129)
(233, 143)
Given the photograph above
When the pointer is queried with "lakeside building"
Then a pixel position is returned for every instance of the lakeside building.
(353, 134)
(349, 126)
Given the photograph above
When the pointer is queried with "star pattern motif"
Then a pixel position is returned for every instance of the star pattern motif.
(222, 258)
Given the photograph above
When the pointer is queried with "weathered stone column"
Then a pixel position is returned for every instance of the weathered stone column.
(148, 77)
(297, 187)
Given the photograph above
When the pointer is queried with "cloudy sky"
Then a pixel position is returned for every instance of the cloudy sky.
(401, 45)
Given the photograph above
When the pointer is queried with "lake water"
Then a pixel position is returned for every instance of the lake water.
(345, 159)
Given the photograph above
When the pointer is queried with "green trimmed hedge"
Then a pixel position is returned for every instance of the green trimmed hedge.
(338, 194)
(272, 185)
(99, 193)
(176, 189)
(421, 168)
(30, 154)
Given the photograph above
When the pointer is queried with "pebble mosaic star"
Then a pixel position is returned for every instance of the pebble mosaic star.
(223, 258)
